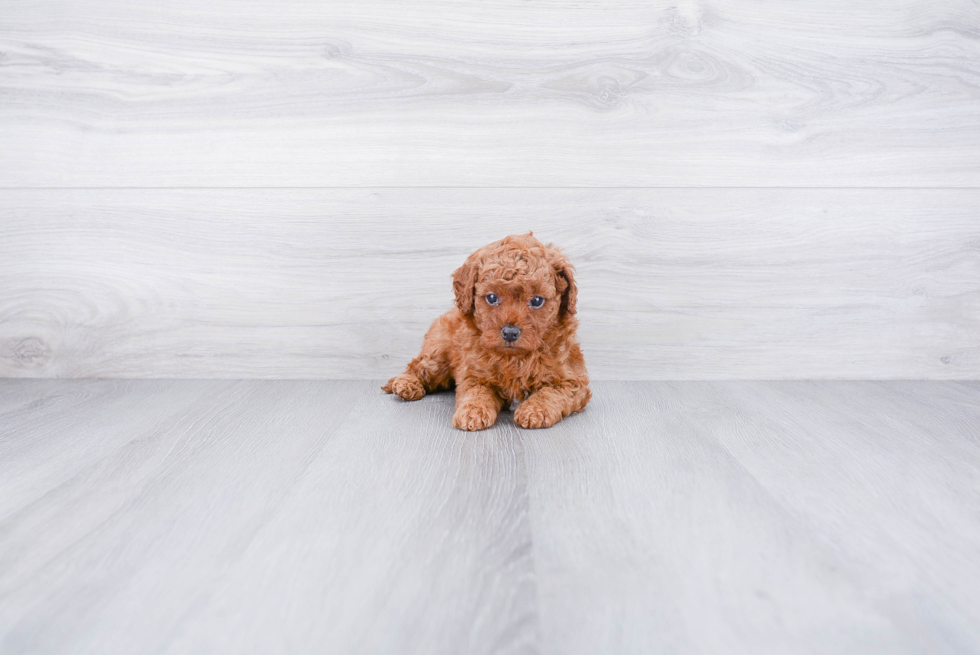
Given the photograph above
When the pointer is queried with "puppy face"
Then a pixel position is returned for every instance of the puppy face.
(517, 291)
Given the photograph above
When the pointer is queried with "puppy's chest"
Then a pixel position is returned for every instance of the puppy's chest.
(516, 389)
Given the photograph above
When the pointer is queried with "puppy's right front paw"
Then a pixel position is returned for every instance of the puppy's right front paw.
(473, 417)
(405, 386)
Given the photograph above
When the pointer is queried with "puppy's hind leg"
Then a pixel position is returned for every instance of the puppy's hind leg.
(431, 370)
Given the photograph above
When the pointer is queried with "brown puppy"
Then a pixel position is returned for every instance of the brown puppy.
(510, 338)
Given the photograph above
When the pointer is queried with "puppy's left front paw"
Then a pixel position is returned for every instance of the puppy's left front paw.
(473, 417)
(534, 415)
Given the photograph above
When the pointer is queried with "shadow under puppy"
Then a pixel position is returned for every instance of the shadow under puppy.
(511, 338)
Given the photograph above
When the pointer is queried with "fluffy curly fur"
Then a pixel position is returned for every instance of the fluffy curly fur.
(543, 368)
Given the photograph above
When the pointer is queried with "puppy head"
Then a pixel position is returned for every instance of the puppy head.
(516, 290)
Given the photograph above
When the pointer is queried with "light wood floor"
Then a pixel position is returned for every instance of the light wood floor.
(677, 517)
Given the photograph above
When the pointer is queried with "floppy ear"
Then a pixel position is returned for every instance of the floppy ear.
(565, 282)
(464, 283)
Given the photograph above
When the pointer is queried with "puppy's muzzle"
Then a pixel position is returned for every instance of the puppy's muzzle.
(510, 333)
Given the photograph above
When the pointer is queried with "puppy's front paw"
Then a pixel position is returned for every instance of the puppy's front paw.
(473, 417)
(533, 415)
(405, 386)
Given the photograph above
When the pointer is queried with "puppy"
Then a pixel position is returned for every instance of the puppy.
(511, 338)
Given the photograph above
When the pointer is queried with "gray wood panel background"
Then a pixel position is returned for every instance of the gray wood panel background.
(674, 283)
(175, 182)
(490, 93)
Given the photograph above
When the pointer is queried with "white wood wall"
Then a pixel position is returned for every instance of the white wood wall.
(277, 188)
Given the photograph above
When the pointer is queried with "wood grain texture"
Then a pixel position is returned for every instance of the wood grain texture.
(760, 517)
(681, 517)
(305, 283)
(262, 517)
(496, 93)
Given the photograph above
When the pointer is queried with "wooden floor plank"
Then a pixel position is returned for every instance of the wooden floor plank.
(404, 536)
(273, 516)
(118, 554)
(53, 438)
(889, 475)
(656, 529)
(497, 93)
(268, 522)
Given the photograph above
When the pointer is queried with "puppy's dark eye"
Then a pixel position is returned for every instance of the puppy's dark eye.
(536, 302)
(492, 299)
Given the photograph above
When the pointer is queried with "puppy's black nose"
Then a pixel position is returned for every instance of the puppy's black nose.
(510, 333)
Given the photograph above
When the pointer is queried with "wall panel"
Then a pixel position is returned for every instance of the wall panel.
(320, 283)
